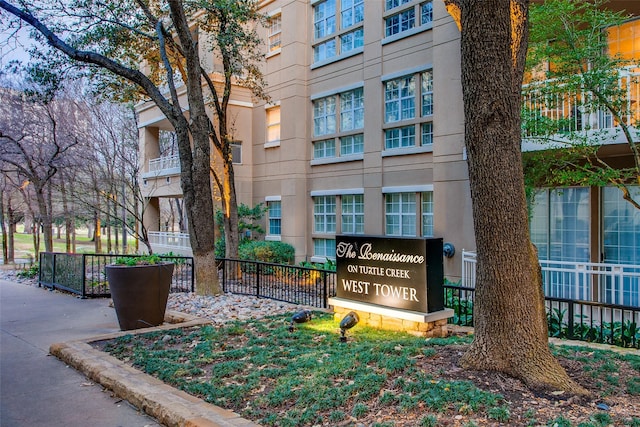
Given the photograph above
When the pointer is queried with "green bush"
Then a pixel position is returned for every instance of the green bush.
(267, 251)
(30, 272)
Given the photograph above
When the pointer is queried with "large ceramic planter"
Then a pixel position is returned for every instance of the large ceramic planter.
(140, 293)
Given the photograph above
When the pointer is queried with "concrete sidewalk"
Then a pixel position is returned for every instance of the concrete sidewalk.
(37, 389)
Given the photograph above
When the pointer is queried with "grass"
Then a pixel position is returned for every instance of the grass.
(306, 378)
(24, 244)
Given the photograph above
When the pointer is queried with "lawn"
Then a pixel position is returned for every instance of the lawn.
(24, 244)
(308, 377)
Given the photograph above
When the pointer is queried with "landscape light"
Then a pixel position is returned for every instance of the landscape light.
(300, 317)
(348, 322)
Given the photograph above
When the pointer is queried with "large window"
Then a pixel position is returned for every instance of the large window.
(236, 152)
(352, 215)
(324, 116)
(275, 31)
(324, 214)
(400, 214)
(402, 211)
(402, 16)
(352, 110)
(427, 213)
(273, 125)
(337, 28)
(351, 12)
(401, 101)
(621, 227)
(338, 121)
(275, 217)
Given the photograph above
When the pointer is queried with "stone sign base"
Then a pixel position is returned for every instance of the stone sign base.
(420, 324)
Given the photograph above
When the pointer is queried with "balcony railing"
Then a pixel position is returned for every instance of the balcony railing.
(576, 110)
(163, 242)
(586, 281)
(169, 165)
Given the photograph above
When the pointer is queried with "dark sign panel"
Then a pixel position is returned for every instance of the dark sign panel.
(392, 272)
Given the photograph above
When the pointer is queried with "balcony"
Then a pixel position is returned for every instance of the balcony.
(163, 242)
(585, 281)
(163, 166)
(576, 113)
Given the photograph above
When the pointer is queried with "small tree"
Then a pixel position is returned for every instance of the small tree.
(584, 92)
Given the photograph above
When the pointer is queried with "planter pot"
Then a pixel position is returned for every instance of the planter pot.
(140, 293)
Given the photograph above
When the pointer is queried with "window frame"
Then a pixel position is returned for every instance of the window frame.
(324, 214)
(274, 220)
(342, 39)
(274, 126)
(273, 47)
(353, 215)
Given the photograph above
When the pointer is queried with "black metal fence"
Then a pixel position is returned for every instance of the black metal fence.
(294, 284)
(84, 274)
(568, 319)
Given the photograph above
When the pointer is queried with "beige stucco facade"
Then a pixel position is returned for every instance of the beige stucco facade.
(305, 168)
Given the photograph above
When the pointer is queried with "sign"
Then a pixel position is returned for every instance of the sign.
(399, 273)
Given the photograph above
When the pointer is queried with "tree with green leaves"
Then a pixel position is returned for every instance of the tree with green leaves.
(143, 51)
(578, 100)
(510, 324)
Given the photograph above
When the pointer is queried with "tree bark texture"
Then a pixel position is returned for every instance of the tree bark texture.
(509, 313)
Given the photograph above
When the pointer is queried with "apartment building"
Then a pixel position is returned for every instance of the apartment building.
(363, 133)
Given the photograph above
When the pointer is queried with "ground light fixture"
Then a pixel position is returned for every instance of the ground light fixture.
(348, 322)
(300, 317)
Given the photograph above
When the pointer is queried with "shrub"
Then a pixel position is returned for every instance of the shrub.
(30, 272)
(267, 251)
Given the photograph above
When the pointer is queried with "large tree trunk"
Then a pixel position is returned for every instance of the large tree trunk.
(509, 317)
(45, 218)
(11, 217)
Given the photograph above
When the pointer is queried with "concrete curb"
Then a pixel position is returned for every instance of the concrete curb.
(170, 406)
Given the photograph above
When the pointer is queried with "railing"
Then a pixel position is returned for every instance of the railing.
(84, 274)
(567, 318)
(572, 109)
(597, 282)
(169, 240)
(164, 163)
(293, 284)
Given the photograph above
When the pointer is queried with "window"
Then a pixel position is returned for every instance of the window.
(273, 125)
(407, 17)
(621, 226)
(352, 144)
(236, 152)
(352, 110)
(400, 103)
(400, 137)
(275, 217)
(352, 40)
(427, 93)
(324, 51)
(324, 148)
(400, 22)
(324, 19)
(427, 133)
(427, 213)
(347, 108)
(324, 116)
(390, 4)
(275, 30)
(324, 248)
(400, 214)
(331, 41)
(352, 214)
(351, 12)
(426, 13)
(399, 99)
(324, 214)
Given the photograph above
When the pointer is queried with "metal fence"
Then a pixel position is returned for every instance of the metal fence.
(84, 274)
(567, 318)
(294, 284)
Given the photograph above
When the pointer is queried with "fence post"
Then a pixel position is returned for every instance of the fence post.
(570, 320)
(224, 274)
(324, 289)
(258, 274)
(53, 272)
(193, 275)
(84, 276)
